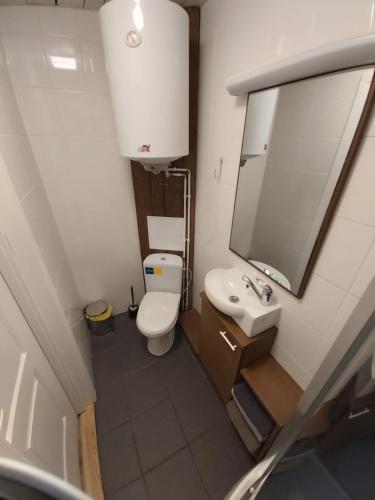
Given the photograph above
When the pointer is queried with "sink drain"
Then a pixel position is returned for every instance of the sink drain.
(234, 299)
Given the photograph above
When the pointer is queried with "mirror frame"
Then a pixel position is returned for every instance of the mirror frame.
(341, 182)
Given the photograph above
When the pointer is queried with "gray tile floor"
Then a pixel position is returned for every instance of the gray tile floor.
(162, 432)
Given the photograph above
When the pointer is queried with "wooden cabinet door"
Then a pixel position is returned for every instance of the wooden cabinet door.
(218, 352)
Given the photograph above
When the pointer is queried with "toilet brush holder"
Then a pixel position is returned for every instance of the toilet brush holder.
(133, 311)
(133, 308)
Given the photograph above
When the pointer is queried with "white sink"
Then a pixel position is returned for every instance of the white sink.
(224, 286)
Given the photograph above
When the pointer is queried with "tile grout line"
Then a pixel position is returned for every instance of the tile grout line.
(184, 348)
(133, 417)
(369, 250)
(189, 442)
(128, 374)
(164, 460)
(136, 449)
(199, 473)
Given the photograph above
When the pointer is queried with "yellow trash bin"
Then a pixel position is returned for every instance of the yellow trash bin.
(99, 317)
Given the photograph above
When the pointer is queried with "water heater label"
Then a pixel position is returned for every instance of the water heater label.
(153, 270)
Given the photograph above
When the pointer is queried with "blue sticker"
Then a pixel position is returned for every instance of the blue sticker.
(149, 270)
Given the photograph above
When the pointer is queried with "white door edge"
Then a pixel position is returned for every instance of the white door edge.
(26, 275)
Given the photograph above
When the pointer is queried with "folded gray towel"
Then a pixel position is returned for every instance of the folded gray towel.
(256, 416)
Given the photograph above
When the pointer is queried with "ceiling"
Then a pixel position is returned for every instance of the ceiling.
(86, 4)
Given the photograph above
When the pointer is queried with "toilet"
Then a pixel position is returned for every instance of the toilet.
(159, 308)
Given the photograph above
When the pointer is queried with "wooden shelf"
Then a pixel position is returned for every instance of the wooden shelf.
(276, 390)
(191, 324)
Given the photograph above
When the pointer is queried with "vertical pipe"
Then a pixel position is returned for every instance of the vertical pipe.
(184, 252)
(188, 235)
(185, 246)
(185, 172)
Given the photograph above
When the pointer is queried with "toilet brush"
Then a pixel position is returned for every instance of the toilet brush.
(133, 308)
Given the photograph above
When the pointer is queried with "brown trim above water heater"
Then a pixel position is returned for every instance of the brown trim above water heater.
(161, 196)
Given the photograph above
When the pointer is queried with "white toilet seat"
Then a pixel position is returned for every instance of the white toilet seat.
(158, 313)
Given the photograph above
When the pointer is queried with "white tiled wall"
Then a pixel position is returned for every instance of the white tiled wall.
(19, 159)
(57, 70)
(236, 36)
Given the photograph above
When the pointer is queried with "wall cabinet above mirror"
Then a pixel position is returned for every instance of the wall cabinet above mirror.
(298, 146)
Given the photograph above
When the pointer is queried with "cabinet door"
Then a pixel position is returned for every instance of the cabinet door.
(218, 352)
(260, 116)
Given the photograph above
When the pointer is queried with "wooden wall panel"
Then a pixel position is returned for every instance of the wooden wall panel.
(161, 196)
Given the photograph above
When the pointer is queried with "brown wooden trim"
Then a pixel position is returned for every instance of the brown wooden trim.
(161, 196)
(340, 185)
(274, 387)
(90, 468)
(191, 324)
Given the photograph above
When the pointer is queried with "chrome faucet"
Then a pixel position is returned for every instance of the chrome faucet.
(265, 296)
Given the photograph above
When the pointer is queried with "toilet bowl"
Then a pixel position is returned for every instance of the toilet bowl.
(156, 319)
(158, 311)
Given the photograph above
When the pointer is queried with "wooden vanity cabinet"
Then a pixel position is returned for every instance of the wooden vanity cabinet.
(224, 349)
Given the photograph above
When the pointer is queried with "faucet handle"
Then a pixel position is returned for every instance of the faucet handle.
(262, 283)
(246, 279)
(267, 292)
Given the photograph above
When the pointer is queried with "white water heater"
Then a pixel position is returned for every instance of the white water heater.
(146, 47)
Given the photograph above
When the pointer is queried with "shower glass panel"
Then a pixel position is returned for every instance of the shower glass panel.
(337, 462)
(339, 465)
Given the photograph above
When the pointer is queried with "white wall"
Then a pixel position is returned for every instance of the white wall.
(18, 156)
(68, 119)
(236, 36)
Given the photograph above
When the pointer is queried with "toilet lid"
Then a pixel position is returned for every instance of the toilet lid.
(158, 312)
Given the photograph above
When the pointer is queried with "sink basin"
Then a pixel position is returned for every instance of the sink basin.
(227, 291)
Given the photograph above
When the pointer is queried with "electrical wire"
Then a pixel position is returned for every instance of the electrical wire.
(190, 277)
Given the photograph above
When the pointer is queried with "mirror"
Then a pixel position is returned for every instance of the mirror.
(298, 145)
